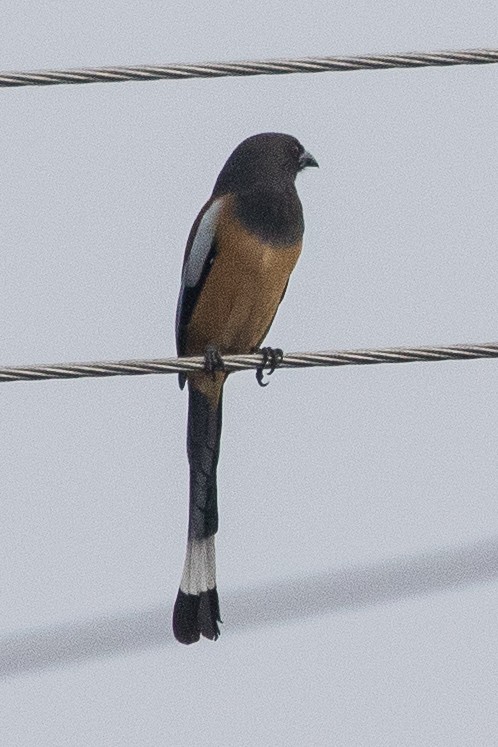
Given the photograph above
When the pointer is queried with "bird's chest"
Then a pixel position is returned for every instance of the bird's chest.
(242, 291)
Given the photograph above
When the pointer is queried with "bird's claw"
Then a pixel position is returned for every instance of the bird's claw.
(272, 358)
(213, 361)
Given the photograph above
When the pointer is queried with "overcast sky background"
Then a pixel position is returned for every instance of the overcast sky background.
(324, 470)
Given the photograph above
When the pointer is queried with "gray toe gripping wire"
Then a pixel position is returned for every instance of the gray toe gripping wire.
(242, 68)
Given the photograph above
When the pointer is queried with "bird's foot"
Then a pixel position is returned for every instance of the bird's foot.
(272, 358)
(213, 361)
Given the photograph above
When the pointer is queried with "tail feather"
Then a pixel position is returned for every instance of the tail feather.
(203, 448)
(196, 610)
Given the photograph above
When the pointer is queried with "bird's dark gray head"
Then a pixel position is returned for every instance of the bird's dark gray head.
(270, 160)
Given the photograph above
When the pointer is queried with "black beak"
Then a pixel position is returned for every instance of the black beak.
(306, 159)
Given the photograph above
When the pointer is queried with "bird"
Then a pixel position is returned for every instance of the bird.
(240, 253)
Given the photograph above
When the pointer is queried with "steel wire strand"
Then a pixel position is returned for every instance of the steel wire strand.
(246, 68)
(245, 362)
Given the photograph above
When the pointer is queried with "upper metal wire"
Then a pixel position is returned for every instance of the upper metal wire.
(254, 67)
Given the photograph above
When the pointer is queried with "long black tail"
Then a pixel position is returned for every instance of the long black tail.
(197, 609)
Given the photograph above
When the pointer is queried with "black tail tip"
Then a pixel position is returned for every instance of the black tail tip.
(195, 615)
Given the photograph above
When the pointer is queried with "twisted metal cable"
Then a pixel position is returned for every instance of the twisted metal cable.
(256, 67)
(250, 361)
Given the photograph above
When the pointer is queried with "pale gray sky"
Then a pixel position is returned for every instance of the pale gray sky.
(325, 469)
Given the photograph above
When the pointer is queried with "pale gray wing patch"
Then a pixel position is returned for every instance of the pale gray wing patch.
(198, 254)
(201, 246)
